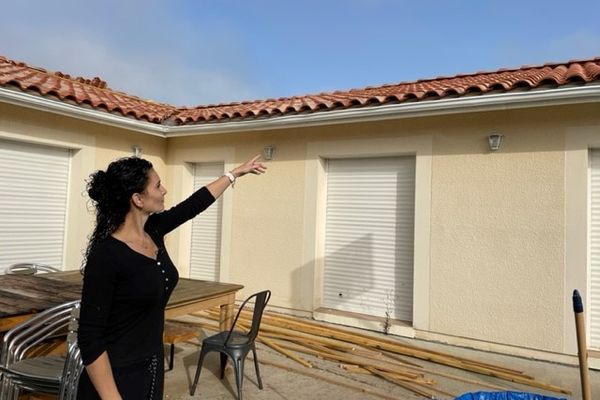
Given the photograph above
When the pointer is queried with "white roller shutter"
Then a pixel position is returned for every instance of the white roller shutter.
(594, 300)
(33, 197)
(205, 251)
(369, 236)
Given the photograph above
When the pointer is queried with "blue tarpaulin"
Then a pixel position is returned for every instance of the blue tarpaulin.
(505, 396)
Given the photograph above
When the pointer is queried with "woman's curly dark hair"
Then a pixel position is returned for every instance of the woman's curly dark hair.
(111, 191)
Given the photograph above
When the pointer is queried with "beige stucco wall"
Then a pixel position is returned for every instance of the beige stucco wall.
(492, 247)
(267, 240)
(263, 215)
(497, 243)
(93, 147)
(495, 256)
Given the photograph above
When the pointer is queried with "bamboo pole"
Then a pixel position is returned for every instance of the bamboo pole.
(353, 368)
(343, 346)
(324, 352)
(278, 348)
(401, 379)
(426, 384)
(457, 362)
(404, 385)
(346, 359)
(302, 330)
(298, 324)
(400, 359)
(359, 370)
(283, 351)
(458, 378)
(381, 343)
(358, 388)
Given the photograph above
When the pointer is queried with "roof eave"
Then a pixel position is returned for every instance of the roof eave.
(486, 102)
(45, 104)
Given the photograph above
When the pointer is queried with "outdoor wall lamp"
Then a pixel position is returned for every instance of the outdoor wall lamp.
(137, 150)
(268, 152)
(495, 140)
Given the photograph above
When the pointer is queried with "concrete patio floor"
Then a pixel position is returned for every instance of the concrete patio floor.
(282, 384)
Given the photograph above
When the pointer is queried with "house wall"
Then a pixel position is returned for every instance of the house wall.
(490, 232)
(93, 147)
(497, 243)
(500, 237)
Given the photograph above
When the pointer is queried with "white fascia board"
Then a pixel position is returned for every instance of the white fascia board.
(487, 102)
(70, 110)
(476, 103)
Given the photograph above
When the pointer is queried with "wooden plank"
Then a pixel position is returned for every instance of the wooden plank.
(175, 333)
(25, 294)
(188, 290)
(305, 331)
(8, 323)
(358, 387)
(66, 276)
(175, 310)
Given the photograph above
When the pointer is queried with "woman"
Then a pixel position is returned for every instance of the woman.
(128, 277)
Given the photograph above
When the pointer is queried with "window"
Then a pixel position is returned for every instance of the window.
(594, 274)
(369, 236)
(34, 181)
(205, 253)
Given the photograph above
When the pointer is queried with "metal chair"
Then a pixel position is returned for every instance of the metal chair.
(55, 375)
(71, 371)
(236, 344)
(29, 269)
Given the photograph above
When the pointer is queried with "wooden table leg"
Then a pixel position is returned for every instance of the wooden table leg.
(8, 323)
(226, 316)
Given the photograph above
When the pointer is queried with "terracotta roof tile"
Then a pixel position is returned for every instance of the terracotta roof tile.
(95, 93)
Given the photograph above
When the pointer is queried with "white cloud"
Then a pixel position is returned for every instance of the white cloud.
(156, 64)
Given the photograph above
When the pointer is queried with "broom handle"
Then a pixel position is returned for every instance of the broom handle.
(581, 346)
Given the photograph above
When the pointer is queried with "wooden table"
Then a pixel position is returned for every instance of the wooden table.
(23, 295)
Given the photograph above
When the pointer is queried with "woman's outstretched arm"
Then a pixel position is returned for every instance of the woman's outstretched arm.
(253, 166)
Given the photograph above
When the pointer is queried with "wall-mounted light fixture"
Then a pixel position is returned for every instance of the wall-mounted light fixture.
(137, 150)
(268, 152)
(495, 140)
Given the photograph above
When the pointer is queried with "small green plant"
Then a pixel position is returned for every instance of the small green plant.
(387, 322)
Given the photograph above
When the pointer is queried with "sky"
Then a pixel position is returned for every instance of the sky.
(190, 53)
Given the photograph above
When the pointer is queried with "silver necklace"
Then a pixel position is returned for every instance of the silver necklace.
(142, 242)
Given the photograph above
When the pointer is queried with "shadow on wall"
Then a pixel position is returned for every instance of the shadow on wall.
(348, 276)
(352, 283)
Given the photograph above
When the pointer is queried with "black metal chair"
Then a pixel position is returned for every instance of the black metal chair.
(236, 344)
(29, 269)
(55, 375)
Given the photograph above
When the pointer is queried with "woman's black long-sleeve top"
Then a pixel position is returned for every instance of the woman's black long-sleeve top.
(125, 293)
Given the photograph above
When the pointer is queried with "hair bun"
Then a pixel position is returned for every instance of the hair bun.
(97, 186)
